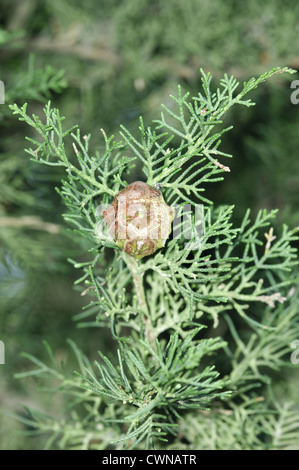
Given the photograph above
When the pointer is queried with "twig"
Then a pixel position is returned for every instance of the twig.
(138, 283)
(32, 222)
(225, 168)
(78, 50)
(270, 237)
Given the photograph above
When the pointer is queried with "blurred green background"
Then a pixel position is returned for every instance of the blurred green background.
(103, 63)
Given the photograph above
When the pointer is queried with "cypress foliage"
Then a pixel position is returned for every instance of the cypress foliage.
(201, 325)
(196, 345)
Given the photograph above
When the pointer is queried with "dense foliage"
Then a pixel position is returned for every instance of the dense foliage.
(195, 340)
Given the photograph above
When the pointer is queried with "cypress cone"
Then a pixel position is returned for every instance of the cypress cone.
(139, 220)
